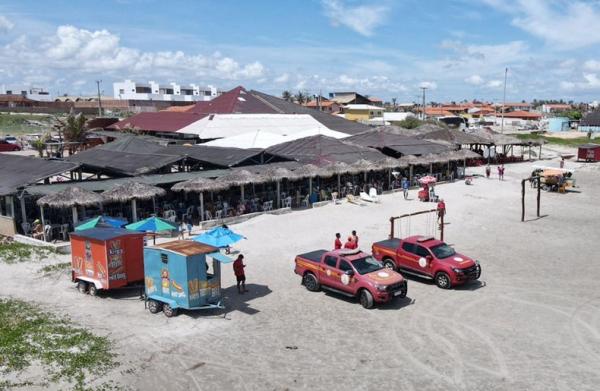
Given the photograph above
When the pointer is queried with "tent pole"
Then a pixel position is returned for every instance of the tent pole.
(74, 209)
(23, 212)
(242, 192)
(390, 179)
(410, 174)
(278, 195)
(43, 222)
(339, 178)
(154, 205)
(201, 206)
(309, 186)
(134, 210)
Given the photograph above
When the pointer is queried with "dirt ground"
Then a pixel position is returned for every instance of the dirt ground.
(532, 322)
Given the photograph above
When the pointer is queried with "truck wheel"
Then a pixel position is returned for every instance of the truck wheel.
(310, 282)
(478, 272)
(389, 264)
(403, 290)
(169, 311)
(93, 291)
(82, 286)
(154, 306)
(442, 280)
(366, 299)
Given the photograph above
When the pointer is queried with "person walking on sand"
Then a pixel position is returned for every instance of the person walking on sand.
(488, 171)
(240, 275)
(441, 209)
(338, 243)
(405, 186)
(502, 172)
(181, 230)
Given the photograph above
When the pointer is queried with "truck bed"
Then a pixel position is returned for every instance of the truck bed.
(314, 256)
(391, 244)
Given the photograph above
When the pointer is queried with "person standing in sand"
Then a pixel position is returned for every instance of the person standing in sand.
(441, 208)
(488, 171)
(240, 275)
(350, 245)
(355, 239)
(405, 186)
(338, 243)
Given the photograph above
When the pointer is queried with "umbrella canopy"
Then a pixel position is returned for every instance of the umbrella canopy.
(240, 178)
(339, 168)
(101, 221)
(151, 224)
(426, 180)
(133, 190)
(307, 171)
(219, 237)
(364, 165)
(278, 173)
(409, 160)
(390, 162)
(71, 196)
(200, 184)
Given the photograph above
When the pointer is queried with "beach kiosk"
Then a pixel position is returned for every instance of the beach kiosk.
(106, 258)
(177, 275)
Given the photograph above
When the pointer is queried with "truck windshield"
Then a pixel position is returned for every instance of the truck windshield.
(366, 265)
(442, 251)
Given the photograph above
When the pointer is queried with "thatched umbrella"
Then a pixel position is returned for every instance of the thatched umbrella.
(72, 196)
(339, 168)
(200, 185)
(365, 166)
(309, 171)
(241, 178)
(410, 161)
(390, 163)
(133, 191)
(276, 174)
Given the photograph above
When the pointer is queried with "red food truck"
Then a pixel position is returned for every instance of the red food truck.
(106, 258)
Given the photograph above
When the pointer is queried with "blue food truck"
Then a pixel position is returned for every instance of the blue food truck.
(177, 275)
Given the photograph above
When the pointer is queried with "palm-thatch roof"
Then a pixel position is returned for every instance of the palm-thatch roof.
(133, 190)
(200, 184)
(307, 171)
(278, 173)
(364, 165)
(338, 168)
(409, 160)
(452, 136)
(390, 162)
(241, 177)
(465, 154)
(71, 196)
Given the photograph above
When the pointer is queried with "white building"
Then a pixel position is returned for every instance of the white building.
(33, 93)
(130, 90)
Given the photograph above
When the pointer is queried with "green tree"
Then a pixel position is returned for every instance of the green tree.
(286, 95)
(410, 123)
(40, 144)
(300, 97)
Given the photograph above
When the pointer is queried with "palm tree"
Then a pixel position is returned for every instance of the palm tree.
(286, 95)
(300, 97)
(40, 144)
(73, 129)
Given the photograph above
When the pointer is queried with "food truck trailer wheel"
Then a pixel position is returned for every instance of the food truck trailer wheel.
(93, 290)
(169, 311)
(82, 286)
(154, 306)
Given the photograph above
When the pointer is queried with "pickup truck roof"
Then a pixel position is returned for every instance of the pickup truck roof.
(314, 256)
(348, 254)
(394, 243)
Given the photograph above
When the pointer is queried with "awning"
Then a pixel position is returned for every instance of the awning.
(220, 257)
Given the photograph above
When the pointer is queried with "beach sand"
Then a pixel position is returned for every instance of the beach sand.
(532, 322)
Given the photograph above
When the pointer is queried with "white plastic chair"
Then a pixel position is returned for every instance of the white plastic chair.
(219, 214)
(287, 203)
(373, 194)
(26, 228)
(305, 201)
(208, 215)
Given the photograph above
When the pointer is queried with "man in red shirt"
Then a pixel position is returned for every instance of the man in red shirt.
(238, 269)
(338, 243)
(350, 244)
(441, 208)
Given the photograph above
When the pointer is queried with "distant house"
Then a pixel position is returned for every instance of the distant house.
(514, 106)
(590, 123)
(16, 101)
(131, 90)
(362, 112)
(326, 106)
(437, 112)
(376, 101)
(555, 107)
(349, 98)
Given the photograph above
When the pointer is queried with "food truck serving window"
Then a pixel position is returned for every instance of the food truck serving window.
(164, 258)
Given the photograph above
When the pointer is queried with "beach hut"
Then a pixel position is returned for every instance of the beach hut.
(276, 174)
(106, 258)
(72, 197)
(200, 185)
(133, 191)
(589, 152)
(177, 275)
(240, 178)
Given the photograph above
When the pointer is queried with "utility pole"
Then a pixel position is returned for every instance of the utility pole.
(423, 116)
(99, 98)
(503, 100)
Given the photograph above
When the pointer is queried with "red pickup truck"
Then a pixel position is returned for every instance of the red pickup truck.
(427, 257)
(351, 273)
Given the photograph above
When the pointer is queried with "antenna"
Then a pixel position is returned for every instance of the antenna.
(503, 100)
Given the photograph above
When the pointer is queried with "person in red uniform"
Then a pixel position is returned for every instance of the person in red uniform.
(338, 243)
(355, 239)
(350, 243)
(238, 269)
(441, 208)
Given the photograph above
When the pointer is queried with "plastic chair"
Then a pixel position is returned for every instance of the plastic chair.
(373, 194)
(208, 215)
(219, 214)
(305, 201)
(64, 232)
(48, 232)
(26, 228)
(287, 203)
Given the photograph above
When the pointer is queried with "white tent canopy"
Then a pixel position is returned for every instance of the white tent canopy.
(262, 139)
(230, 125)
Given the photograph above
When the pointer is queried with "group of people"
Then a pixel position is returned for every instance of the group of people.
(500, 168)
(351, 243)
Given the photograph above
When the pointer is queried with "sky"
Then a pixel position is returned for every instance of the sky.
(458, 49)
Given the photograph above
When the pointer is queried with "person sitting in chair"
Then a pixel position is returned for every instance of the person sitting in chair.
(37, 230)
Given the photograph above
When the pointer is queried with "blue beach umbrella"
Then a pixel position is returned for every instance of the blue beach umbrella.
(101, 221)
(151, 224)
(219, 237)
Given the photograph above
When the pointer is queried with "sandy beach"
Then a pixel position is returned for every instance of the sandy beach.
(532, 322)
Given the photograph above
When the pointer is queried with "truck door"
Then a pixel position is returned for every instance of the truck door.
(329, 274)
(347, 283)
(423, 252)
(407, 256)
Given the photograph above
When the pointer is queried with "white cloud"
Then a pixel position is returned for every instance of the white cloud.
(283, 78)
(5, 24)
(494, 84)
(565, 24)
(430, 85)
(475, 80)
(363, 19)
(592, 65)
(590, 81)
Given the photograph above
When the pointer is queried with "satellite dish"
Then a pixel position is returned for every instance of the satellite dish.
(422, 262)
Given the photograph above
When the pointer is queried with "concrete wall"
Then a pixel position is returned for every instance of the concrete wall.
(7, 226)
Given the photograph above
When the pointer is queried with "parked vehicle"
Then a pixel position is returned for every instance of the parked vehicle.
(6, 146)
(11, 139)
(429, 258)
(351, 273)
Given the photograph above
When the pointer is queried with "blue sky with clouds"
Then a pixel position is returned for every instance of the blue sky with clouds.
(457, 48)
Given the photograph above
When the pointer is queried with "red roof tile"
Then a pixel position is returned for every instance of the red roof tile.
(162, 121)
(237, 100)
(522, 114)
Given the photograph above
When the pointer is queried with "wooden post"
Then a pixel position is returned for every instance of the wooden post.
(23, 212)
(310, 186)
(523, 199)
(539, 187)
(391, 228)
(390, 179)
(278, 194)
(201, 206)
(242, 192)
(442, 226)
(134, 210)
(43, 222)
(339, 177)
(75, 219)
(540, 154)
(410, 174)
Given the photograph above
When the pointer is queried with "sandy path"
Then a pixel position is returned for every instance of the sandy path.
(533, 323)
